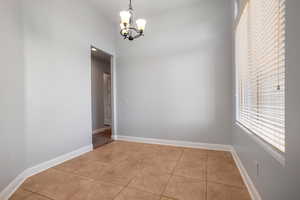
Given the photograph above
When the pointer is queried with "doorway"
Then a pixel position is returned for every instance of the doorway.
(101, 68)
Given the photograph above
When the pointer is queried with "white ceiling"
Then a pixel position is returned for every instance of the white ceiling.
(142, 8)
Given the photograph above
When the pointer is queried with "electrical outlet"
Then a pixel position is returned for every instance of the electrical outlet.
(257, 168)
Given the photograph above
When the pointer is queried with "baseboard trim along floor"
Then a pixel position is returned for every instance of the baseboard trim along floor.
(15, 184)
(220, 147)
(247, 180)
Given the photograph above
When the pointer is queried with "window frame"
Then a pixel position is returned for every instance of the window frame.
(272, 149)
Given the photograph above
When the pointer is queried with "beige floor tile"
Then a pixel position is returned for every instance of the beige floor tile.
(98, 190)
(121, 174)
(123, 146)
(62, 186)
(154, 182)
(133, 194)
(165, 198)
(82, 166)
(36, 197)
(159, 165)
(192, 169)
(182, 188)
(193, 155)
(149, 151)
(92, 170)
(72, 165)
(218, 191)
(56, 184)
(115, 176)
(219, 154)
(220, 157)
(118, 151)
(169, 152)
(165, 152)
(20, 194)
(240, 194)
(224, 172)
(106, 156)
(109, 148)
(136, 156)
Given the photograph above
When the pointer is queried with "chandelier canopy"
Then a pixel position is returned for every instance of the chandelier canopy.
(129, 30)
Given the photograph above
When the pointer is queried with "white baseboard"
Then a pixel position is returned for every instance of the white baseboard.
(247, 180)
(220, 147)
(114, 137)
(99, 130)
(17, 182)
(13, 186)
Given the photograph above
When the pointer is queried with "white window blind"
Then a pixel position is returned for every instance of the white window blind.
(260, 70)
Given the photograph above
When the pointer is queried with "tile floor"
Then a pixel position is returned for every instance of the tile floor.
(136, 171)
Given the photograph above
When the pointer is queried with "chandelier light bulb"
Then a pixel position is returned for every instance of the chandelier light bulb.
(124, 31)
(141, 24)
(125, 16)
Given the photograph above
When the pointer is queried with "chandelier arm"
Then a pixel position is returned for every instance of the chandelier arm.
(136, 34)
(134, 29)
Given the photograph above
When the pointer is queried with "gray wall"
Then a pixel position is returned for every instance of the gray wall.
(175, 83)
(58, 35)
(12, 135)
(99, 67)
(277, 181)
(45, 79)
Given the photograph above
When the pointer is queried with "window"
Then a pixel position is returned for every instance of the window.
(260, 70)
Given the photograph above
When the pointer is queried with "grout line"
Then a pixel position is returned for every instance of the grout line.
(227, 185)
(171, 198)
(36, 192)
(127, 185)
(73, 174)
(140, 190)
(120, 192)
(188, 177)
(172, 173)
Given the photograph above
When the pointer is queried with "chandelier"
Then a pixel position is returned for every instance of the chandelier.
(129, 30)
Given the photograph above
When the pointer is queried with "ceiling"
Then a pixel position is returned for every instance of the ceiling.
(142, 8)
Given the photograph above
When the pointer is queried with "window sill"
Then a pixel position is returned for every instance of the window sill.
(268, 148)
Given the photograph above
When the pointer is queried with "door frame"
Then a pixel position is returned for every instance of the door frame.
(113, 91)
(105, 76)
